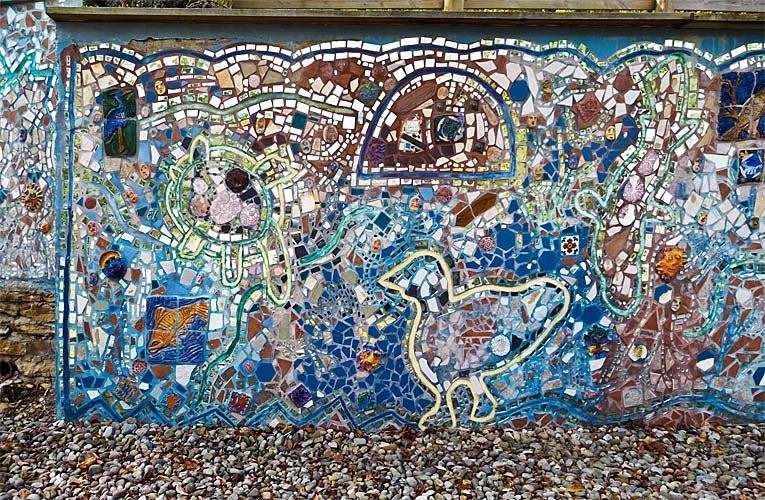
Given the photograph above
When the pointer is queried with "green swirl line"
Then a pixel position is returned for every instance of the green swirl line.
(326, 249)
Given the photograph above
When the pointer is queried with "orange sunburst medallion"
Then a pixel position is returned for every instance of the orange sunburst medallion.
(671, 262)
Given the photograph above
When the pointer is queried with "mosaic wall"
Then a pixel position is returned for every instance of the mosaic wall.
(424, 232)
(28, 97)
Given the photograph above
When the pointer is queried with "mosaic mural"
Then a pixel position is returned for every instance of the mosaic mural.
(28, 97)
(420, 233)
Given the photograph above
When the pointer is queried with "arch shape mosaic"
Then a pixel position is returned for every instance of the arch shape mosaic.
(424, 232)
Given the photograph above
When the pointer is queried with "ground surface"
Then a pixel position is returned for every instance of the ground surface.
(44, 458)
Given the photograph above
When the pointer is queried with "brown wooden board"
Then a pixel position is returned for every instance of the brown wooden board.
(374, 16)
(561, 4)
(720, 5)
(338, 4)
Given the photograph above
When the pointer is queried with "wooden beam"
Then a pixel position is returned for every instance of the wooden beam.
(338, 4)
(561, 4)
(726, 20)
(454, 5)
(385, 17)
(720, 5)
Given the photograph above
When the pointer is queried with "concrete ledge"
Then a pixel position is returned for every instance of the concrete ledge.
(377, 16)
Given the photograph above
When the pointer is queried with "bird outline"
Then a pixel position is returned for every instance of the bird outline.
(388, 281)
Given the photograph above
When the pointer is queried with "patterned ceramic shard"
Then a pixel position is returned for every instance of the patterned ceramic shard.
(750, 166)
(412, 234)
(176, 329)
(742, 106)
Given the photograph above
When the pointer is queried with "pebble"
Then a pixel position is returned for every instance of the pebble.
(46, 458)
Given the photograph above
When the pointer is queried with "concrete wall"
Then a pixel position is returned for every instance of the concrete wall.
(28, 98)
(434, 231)
(381, 230)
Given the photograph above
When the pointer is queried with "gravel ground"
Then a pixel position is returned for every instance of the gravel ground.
(44, 458)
